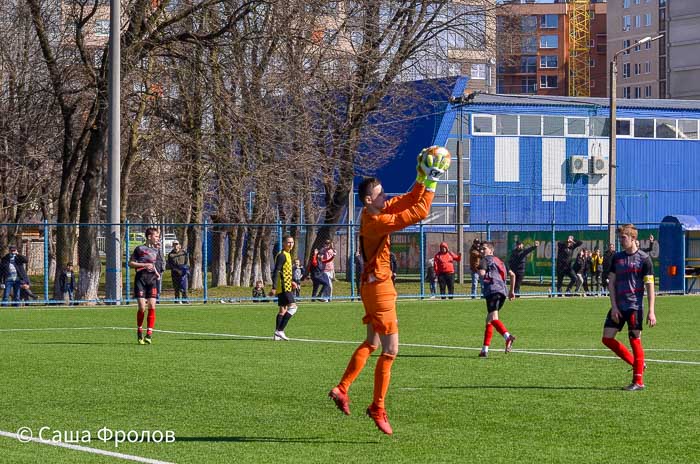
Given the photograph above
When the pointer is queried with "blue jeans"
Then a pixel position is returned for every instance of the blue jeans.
(11, 286)
(475, 283)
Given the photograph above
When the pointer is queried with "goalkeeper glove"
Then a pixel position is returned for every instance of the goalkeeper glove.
(433, 162)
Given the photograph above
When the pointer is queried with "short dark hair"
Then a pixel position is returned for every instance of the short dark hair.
(69, 264)
(150, 231)
(366, 186)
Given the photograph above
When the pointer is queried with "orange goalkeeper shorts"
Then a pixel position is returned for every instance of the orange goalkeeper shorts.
(379, 300)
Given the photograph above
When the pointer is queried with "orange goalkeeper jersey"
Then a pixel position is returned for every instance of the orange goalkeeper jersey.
(399, 212)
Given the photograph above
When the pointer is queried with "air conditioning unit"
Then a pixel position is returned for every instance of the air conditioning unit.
(599, 165)
(578, 165)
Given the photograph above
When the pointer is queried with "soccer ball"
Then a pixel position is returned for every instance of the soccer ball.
(431, 155)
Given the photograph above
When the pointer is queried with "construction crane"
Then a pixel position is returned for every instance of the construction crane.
(579, 51)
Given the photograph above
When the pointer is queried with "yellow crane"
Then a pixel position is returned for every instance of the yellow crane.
(579, 51)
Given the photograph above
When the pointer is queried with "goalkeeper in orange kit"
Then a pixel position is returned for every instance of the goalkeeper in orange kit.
(380, 217)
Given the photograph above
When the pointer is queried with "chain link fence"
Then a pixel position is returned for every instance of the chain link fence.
(66, 263)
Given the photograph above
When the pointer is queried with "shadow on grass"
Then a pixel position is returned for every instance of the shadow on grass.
(273, 440)
(80, 343)
(223, 339)
(430, 356)
(517, 387)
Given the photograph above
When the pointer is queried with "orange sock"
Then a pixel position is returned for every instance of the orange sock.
(357, 363)
(382, 376)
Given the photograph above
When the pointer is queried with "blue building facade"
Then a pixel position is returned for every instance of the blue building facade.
(531, 161)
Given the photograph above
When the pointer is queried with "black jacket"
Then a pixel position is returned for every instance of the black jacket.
(516, 263)
(20, 261)
(565, 252)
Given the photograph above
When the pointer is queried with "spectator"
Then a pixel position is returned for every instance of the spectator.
(178, 263)
(430, 277)
(319, 279)
(258, 292)
(596, 269)
(359, 267)
(297, 275)
(565, 251)
(327, 257)
(516, 263)
(67, 283)
(650, 248)
(474, 261)
(394, 265)
(607, 261)
(579, 268)
(12, 274)
(445, 270)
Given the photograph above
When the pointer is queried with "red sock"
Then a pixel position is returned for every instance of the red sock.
(488, 333)
(382, 376)
(638, 366)
(355, 366)
(151, 320)
(139, 320)
(499, 326)
(619, 349)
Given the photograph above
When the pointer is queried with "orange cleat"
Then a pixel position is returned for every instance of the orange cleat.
(341, 400)
(380, 419)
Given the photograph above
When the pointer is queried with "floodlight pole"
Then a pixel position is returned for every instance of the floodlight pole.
(612, 148)
(113, 248)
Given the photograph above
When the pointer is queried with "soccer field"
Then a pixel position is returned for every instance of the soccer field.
(228, 393)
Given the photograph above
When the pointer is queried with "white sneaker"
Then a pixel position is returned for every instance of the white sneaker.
(276, 338)
(281, 335)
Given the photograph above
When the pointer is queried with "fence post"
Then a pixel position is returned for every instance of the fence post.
(488, 231)
(127, 284)
(46, 261)
(205, 255)
(553, 264)
(422, 260)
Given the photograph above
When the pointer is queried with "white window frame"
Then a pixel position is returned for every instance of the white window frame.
(647, 67)
(628, 66)
(566, 127)
(493, 124)
(544, 57)
(631, 121)
(625, 3)
(545, 25)
(479, 67)
(520, 134)
(647, 19)
(675, 126)
(626, 23)
(542, 44)
(546, 86)
(647, 91)
(637, 21)
(102, 27)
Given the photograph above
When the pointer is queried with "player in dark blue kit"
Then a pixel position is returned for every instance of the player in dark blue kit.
(145, 259)
(630, 274)
(493, 273)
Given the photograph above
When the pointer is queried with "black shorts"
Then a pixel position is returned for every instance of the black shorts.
(285, 298)
(633, 317)
(146, 285)
(495, 301)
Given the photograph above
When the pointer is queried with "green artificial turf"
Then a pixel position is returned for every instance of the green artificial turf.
(556, 399)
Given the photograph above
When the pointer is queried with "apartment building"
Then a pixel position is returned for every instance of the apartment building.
(682, 30)
(641, 70)
(534, 45)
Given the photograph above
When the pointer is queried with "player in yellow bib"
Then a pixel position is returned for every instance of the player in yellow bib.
(283, 286)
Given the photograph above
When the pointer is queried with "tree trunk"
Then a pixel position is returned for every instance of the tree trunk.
(218, 258)
(236, 259)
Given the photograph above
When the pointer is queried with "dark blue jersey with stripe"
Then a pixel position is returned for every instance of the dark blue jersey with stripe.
(495, 278)
(629, 273)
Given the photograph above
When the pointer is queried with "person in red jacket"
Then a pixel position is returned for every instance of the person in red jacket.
(443, 263)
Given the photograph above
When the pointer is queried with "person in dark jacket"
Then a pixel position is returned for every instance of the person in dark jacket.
(177, 262)
(565, 251)
(517, 260)
(66, 283)
(474, 261)
(321, 284)
(607, 261)
(444, 269)
(12, 274)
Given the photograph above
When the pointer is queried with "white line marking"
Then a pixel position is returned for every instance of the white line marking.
(85, 449)
(541, 352)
